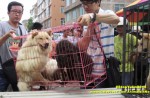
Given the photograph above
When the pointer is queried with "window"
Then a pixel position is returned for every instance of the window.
(62, 21)
(44, 14)
(62, 9)
(81, 11)
(48, 12)
(118, 7)
(74, 14)
(68, 17)
(73, 1)
(67, 2)
(48, 2)
(49, 23)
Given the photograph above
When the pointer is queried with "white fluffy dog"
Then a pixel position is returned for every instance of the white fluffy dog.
(49, 70)
(32, 59)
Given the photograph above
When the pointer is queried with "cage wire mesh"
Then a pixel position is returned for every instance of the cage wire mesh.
(75, 66)
(139, 53)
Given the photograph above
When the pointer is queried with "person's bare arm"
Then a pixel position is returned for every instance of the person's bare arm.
(83, 43)
(108, 18)
(6, 36)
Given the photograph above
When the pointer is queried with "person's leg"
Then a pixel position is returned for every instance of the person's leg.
(13, 80)
(129, 78)
(14, 86)
(10, 73)
(3, 82)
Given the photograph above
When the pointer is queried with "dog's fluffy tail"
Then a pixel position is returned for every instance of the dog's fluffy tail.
(23, 86)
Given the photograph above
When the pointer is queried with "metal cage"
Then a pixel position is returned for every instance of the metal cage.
(138, 26)
(74, 69)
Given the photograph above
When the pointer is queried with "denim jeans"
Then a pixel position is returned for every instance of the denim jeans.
(128, 77)
(3, 81)
(9, 72)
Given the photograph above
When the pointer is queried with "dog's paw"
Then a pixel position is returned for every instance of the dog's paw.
(23, 86)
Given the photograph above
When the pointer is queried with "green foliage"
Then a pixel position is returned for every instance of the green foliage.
(30, 23)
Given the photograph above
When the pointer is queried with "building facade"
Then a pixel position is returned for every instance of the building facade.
(74, 8)
(34, 12)
(52, 13)
(49, 12)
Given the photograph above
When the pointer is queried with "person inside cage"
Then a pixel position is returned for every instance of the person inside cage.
(141, 66)
(130, 57)
(65, 36)
(106, 20)
(136, 30)
(77, 34)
